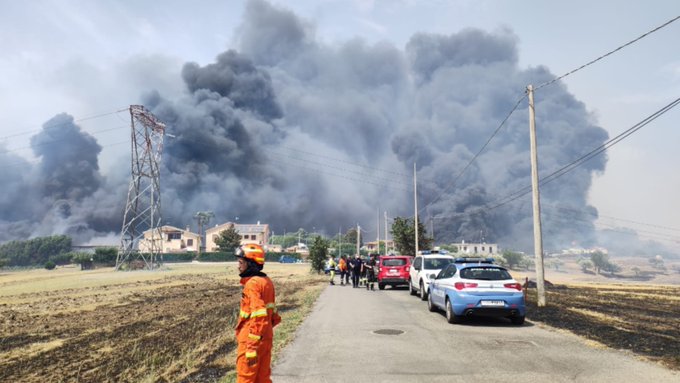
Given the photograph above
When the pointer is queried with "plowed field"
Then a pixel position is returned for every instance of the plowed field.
(174, 326)
(642, 319)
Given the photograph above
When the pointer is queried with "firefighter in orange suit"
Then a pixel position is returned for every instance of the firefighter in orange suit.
(258, 316)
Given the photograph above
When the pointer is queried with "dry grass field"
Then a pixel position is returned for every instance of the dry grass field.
(171, 325)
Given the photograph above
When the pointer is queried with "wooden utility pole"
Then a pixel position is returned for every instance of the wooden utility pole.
(377, 230)
(358, 233)
(415, 204)
(536, 199)
(385, 232)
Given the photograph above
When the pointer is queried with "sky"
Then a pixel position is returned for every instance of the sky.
(89, 59)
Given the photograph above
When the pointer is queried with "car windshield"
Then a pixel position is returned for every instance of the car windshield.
(436, 263)
(394, 262)
(485, 273)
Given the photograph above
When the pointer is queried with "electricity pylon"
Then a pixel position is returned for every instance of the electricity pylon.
(143, 208)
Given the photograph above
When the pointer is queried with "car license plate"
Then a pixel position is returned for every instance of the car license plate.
(492, 303)
(393, 271)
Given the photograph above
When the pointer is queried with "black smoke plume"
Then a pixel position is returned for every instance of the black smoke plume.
(289, 131)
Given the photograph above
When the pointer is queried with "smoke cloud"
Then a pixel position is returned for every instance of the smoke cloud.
(289, 131)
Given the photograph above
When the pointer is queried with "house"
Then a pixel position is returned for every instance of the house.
(174, 240)
(250, 233)
(372, 247)
(476, 248)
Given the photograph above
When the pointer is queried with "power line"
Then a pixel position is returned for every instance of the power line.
(48, 143)
(453, 182)
(65, 123)
(574, 164)
(607, 54)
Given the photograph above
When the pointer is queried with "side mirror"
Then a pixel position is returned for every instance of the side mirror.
(432, 276)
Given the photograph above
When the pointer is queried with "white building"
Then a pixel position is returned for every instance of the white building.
(476, 248)
(250, 233)
(174, 240)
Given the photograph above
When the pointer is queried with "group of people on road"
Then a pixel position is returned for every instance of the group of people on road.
(361, 272)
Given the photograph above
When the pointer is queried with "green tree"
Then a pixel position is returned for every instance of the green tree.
(351, 238)
(512, 258)
(586, 264)
(403, 232)
(105, 255)
(228, 239)
(600, 260)
(318, 253)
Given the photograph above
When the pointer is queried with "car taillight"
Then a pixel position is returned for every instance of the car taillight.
(515, 286)
(464, 285)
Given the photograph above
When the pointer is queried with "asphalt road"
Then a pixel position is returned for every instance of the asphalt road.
(354, 335)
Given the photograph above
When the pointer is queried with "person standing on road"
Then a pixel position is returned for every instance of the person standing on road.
(257, 318)
(342, 266)
(357, 266)
(331, 269)
(369, 271)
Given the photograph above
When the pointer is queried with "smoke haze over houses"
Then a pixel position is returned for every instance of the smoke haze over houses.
(288, 129)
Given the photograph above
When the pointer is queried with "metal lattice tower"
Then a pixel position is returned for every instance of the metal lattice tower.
(143, 208)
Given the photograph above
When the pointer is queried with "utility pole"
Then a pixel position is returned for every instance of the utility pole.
(143, 207)
(339, 242)
(385, 232)
(377, 230)
(358, 234)
(415, 203)
(536, 200)
(202, 219)
(432, 229)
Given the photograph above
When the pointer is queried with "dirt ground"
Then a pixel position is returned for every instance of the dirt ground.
(143, 326)
(638, 313)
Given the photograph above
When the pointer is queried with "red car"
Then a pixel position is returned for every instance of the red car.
(393, 270)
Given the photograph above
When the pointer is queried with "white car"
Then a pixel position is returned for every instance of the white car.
(422, 267)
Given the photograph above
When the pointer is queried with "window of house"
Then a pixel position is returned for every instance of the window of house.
(172, 236)
(190, 242)
(491, 249)
(475, 249)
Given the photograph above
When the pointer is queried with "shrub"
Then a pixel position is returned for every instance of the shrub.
(49, 265)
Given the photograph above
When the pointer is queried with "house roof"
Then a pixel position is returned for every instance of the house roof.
(240, 228)
(173, 229)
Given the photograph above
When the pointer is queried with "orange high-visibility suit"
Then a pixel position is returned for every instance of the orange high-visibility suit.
(254, 330)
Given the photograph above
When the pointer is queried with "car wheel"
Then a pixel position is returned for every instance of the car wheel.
(517, 320)
(423, 293)
(451, 317)
(430, 305)
(381, 286)
(411, 290)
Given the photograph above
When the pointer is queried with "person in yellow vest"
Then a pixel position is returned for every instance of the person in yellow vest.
(331, 269)
(257, 318)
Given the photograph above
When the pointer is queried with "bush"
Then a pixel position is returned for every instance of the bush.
(179, 257)
(106, 255)
(49, 265)
(62, 259)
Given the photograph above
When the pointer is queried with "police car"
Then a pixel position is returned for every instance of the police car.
(476, 287)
